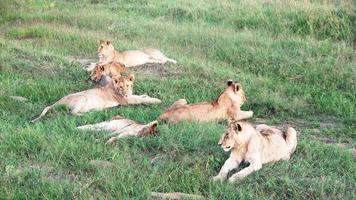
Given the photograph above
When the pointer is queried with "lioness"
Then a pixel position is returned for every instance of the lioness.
(130, 58)
(111, 69)
(122, 127)
(256, 146)
(117, 92)
(227, 105)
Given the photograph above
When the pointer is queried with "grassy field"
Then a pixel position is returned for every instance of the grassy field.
(295, 59)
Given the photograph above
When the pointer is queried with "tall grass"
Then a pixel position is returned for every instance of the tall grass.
(295, 60)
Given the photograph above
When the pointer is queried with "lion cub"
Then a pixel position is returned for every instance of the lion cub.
(227, 105)
(111, 69)
(120, 127)
(117, 92)
(256, 146)
(130, 58)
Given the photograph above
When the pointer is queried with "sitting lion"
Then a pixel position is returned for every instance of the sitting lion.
(227, 105)
(117, 92)
(120, 127)
(111, 69)
(130, 58)
(256, 146)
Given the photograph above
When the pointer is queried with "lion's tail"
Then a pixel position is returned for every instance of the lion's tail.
(172, 61)
(43, 113)
(291, 139)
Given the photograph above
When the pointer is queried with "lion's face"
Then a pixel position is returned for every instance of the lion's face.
(235, 92)
(97, 73)
(233, 136)
(124, 85)
(105, 49)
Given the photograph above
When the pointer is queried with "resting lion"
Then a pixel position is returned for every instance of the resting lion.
(130, 58)
(256, 146)
(226, 106)
(120, 127)
(111, 69)
(117, 92)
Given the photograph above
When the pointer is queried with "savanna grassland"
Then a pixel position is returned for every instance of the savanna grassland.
(295, 59)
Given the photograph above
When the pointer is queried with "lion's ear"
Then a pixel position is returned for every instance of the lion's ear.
(236, 126)
(237, 87)
(153, 126)
(108, 42)
(230, 82)
(131, 77)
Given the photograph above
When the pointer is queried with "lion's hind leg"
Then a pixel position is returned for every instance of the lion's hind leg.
(291, 139)
(178, 103)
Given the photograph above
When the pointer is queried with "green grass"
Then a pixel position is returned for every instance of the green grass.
(295, 59)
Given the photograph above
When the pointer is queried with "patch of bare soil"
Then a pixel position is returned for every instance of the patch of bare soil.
(327, 122)
(156, 70)
(83, 61)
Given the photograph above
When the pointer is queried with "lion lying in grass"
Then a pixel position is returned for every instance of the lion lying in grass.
(227, 105)
(130, 58)
(117, 92)
(256, 146)
(122, 127)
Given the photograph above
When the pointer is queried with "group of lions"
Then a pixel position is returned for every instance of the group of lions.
(255, 145)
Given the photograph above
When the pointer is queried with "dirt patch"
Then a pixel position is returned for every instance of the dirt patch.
(156, 70)
(325, 122)
(83, 61)
(341, 144)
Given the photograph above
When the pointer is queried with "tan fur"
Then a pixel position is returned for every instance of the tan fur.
(227, 105)
(111, 69)
(256, 146)
(130, 58)
(120, 127)
(117, 92)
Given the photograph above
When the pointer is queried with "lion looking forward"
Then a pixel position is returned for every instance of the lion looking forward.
(117, 92)
(256, 146)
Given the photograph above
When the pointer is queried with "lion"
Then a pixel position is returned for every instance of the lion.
(120, 127)
(257, 146)
(111, 69)
(226, 106)
(130, 58)
(117, 92)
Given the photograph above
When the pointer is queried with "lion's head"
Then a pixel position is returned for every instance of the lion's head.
(105, 49)
(123, 85)
(236, 134)
(110, 69)
(97, 73)
(235, 92)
